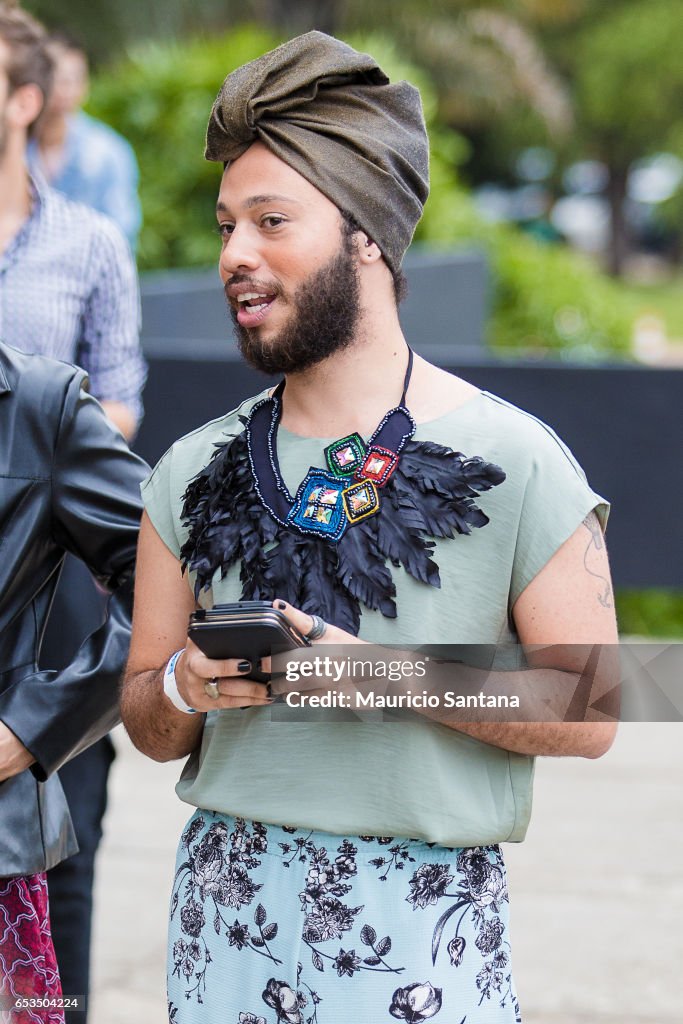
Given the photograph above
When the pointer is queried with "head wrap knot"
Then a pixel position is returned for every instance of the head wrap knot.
(332, 115)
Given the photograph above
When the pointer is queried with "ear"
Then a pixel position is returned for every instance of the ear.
(24, 105)
(369, 250)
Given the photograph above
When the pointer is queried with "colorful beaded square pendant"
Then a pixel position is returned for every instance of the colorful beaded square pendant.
(318, 506)
(360, 501)
(378, 465)
(345, 456)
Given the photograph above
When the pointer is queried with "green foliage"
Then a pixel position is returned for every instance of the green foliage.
(545, 298)
(160, 98)
(663, 299)
(551, 298)
(107, 28)
(628, 77)
(656, 613)
(95, 23)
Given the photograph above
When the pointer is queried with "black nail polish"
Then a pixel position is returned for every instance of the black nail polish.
(281, 605)
(244, 666)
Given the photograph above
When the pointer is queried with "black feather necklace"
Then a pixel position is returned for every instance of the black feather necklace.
(325, 549)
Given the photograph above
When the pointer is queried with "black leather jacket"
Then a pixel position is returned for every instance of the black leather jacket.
(68, 482)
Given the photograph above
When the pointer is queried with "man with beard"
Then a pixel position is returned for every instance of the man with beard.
(336, 494)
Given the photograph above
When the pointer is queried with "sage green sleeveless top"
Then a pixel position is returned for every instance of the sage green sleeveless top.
(407, 777)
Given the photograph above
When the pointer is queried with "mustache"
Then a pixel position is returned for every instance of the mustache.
(254, 283)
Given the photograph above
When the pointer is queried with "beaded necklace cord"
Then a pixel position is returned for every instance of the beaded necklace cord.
(329, 500)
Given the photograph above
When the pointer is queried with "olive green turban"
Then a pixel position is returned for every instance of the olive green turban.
(332, 114)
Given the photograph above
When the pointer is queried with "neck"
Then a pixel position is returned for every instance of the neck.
(53, 131)
(351, 390)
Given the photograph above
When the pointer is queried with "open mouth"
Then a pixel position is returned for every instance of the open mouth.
(254, 301)
(253, 307)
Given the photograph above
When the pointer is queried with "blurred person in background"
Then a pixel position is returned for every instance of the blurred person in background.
(68, 284)
(69, 290)
(79, 155)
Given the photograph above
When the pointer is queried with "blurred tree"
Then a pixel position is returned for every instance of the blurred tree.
(585, 77)
(95, 23)
(292, 17)
(483, 56)
(627, 75)
(107, 29)
(159, 97)
(494, 63)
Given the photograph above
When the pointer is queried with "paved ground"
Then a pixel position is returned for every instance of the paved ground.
(597, 900)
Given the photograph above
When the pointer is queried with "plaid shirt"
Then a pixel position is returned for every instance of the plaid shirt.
(69, 290)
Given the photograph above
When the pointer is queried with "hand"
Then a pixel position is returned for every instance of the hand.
(14, 757)
(312, 685)
(193, 670)
(304, 623)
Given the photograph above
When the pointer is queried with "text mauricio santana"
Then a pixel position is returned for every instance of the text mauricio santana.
(359, 701)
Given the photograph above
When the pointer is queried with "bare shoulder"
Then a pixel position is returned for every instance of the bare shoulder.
(435, 392)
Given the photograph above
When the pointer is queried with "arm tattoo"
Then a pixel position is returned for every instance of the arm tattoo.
(597, 541)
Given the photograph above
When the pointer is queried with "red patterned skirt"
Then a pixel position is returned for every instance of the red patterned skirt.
(28, 967)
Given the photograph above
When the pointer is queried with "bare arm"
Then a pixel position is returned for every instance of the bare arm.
(569, 603)
(123, 418)
(163, 603)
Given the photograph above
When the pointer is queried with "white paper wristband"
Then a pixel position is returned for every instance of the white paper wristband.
(171, 686)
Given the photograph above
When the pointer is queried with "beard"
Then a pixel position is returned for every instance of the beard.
(324, 319)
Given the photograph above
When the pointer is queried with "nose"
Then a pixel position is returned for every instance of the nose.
(239, 253)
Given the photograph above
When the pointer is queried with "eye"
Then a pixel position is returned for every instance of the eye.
(272, 221)
(225, 230)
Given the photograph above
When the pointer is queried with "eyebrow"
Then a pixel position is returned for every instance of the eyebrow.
(253, 201)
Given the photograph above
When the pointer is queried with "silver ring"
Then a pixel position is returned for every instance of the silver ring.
(317, 629)
(211, 688)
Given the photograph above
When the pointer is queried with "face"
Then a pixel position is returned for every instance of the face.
(4, 96)
(70, 82)
(288, 266)
(19, 107)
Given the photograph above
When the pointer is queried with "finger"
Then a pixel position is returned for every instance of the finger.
(239, 688)
(279, 684)
(300, 620)
(228, 703)
(211, 668)
(234, 693)
(232, 700)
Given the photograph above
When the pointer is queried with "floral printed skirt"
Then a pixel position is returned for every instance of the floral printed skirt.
(272, 924)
